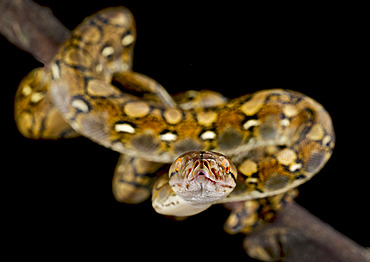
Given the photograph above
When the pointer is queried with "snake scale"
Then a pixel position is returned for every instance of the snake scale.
(189, 151)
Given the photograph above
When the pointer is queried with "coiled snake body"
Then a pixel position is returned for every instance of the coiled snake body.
(255, 148)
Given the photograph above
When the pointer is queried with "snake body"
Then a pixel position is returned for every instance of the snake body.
(273, 140)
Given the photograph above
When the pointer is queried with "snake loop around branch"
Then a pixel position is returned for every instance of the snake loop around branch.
(270, 141)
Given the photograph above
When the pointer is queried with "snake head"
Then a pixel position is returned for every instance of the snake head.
(202, 177)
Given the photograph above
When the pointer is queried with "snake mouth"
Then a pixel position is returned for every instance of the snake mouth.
(203, 186)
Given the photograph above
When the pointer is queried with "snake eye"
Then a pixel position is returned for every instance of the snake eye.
(178, 164)
(226, 165)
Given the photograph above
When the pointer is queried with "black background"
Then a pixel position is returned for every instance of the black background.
(57, 194)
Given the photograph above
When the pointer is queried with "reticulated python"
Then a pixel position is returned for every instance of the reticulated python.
(255, 148)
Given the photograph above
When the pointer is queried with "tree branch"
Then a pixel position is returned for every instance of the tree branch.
(32, 28)
(295, 235)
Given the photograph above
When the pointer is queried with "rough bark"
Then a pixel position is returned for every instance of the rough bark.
(32, 28)
(297, 235)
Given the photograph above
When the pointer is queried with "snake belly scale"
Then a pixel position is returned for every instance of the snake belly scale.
(255, 146)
